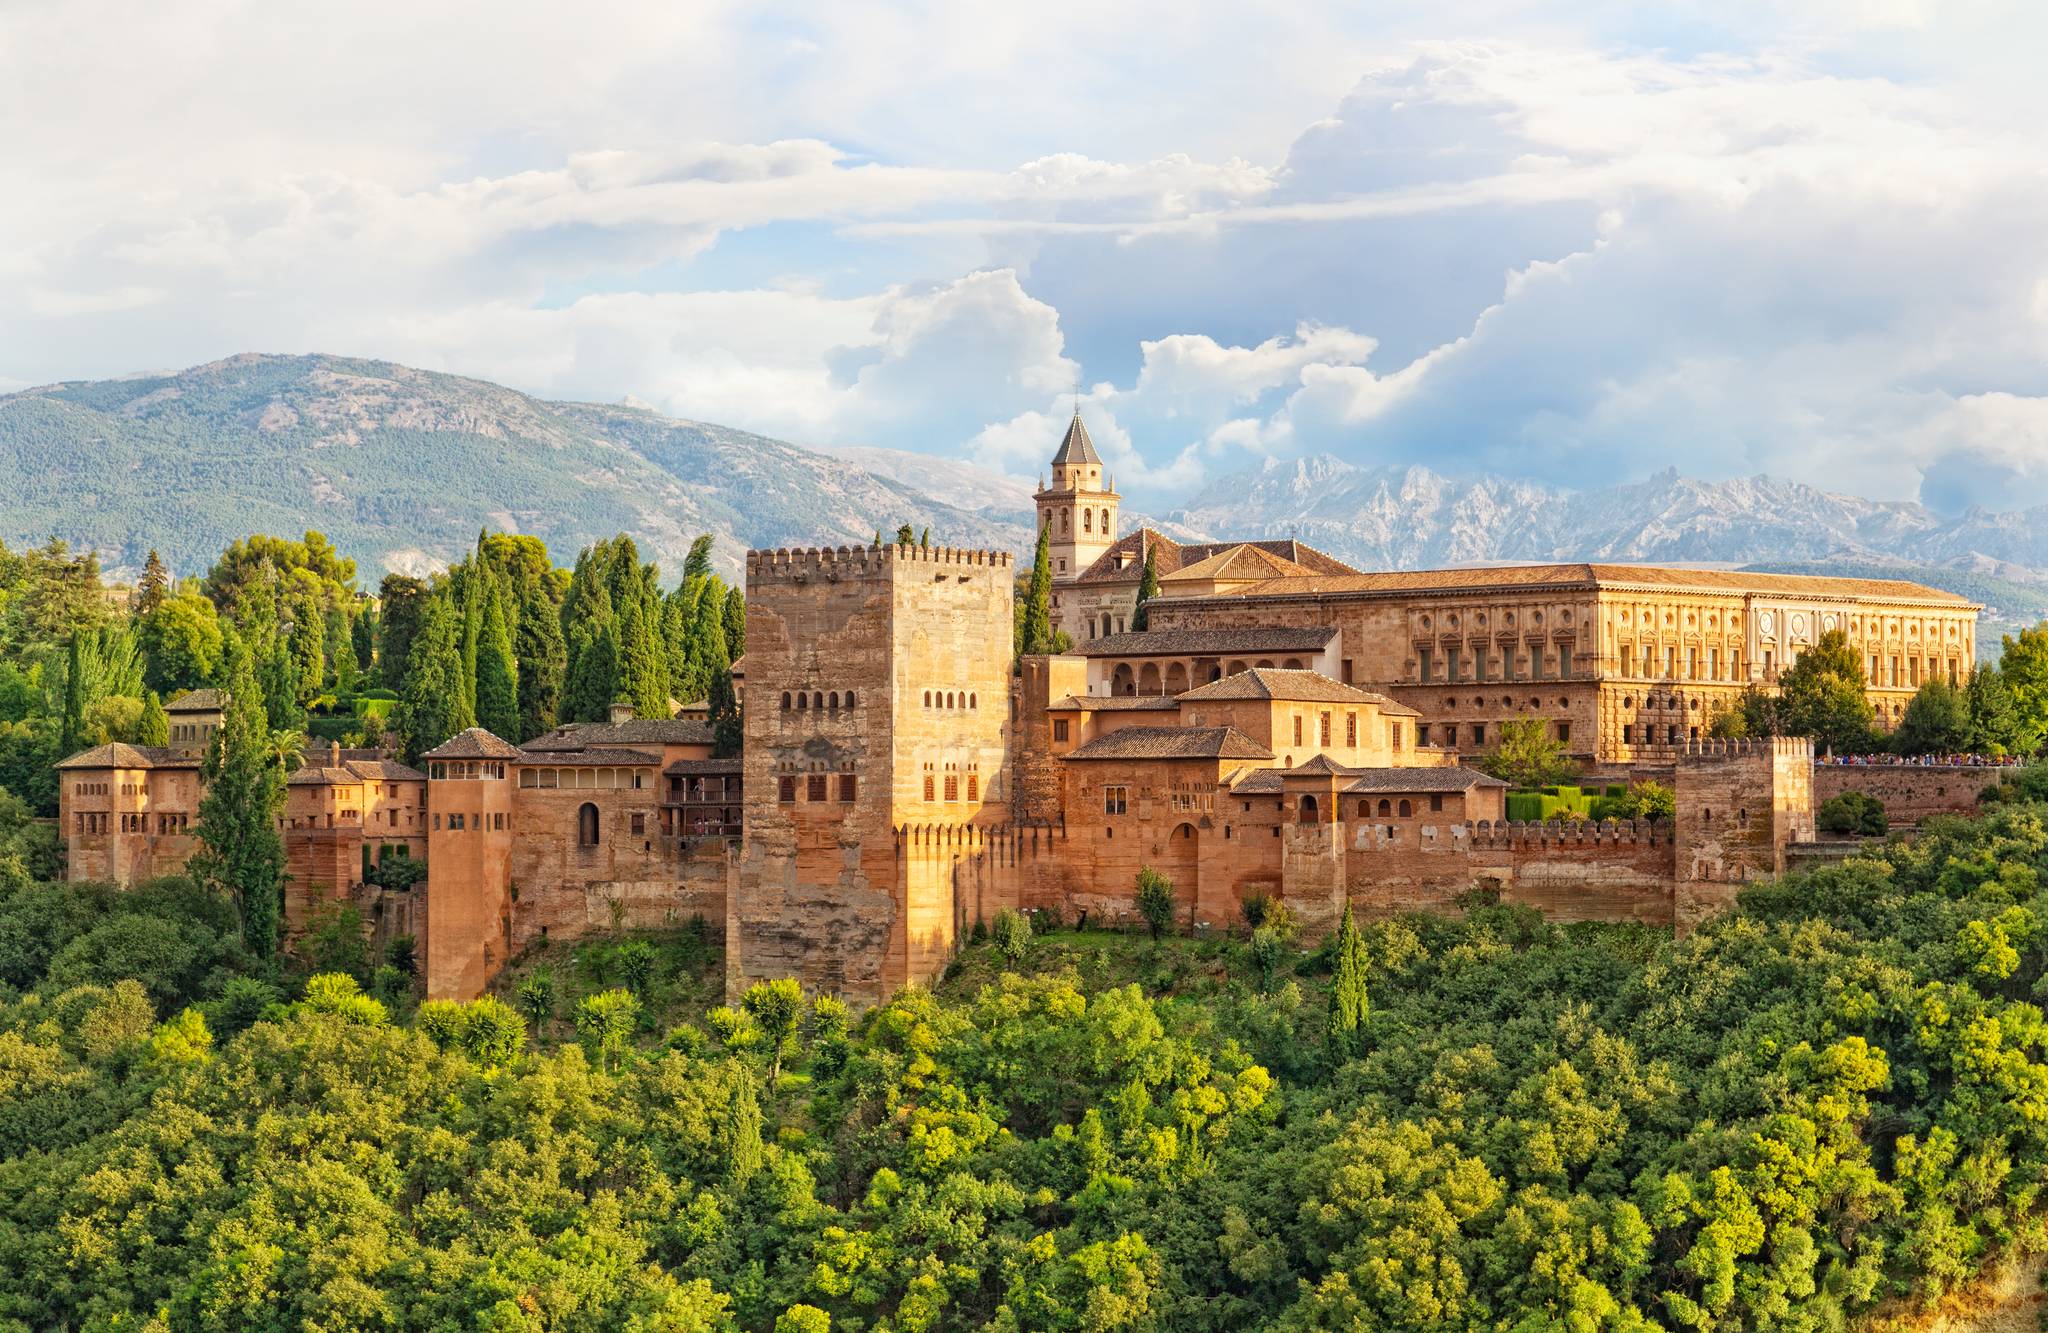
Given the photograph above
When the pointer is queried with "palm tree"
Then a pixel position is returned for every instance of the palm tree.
(288, 748)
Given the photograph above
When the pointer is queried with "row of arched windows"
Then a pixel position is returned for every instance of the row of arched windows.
(951, 699)
(821, 700)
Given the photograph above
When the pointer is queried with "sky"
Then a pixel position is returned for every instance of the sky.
(1577, 243)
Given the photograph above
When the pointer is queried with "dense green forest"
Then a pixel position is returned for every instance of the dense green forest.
(1831, 1101)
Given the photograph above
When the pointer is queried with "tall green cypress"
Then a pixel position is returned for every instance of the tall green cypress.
(497, 671)
(543, 661)
(1148, 588)
(71, 732)
(240, 850)
(474, 585)
(643, 678)
(698, 563)
(155, 727)
(735, 617)
(1036, 634)
(431, 706)
(280, 684)
(707, 651)
(155, 586)
(593, 654)
(1344, 1037)
(727, 732)
(402, 601)
(678, 610)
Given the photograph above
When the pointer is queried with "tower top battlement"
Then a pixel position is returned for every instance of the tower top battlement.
(802, 564)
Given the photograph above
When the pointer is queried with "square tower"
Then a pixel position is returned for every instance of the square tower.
(1077, 509)
(878, 686)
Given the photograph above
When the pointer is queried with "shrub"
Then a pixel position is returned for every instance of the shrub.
(635, 960)
(1852, 812)
(1155, 900)
(1010, 933)
(1268, 950)
(537, 996)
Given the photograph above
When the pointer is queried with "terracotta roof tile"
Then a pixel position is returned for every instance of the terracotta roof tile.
(196, 701)
(121, 755)
(1076, 447)
(1116, 703)
(639, 731)
(1204, 642)
(1399, 582)
(1172, 743)
(1169, 556)
(591, 758)
(691, 767)
(475, 743)
(1302, 686)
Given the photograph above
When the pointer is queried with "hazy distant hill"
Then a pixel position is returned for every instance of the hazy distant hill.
(401, 467)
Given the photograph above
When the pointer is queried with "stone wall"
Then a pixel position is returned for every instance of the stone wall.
(1909, 792)
(1739, 805)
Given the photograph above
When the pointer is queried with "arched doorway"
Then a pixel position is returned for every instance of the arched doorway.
(1121, 681)
(1148, 679)
(1310, 812)
(1177, 678)
(586, 825)
(1180, 861)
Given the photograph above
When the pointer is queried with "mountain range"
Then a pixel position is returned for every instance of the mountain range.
(401, 467)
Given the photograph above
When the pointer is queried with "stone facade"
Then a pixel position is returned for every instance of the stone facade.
(878, 688)
(1626, 663)
(1909, 792)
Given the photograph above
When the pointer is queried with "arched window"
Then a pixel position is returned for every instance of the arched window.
(1309, 812)
(1087, 520)
(803, 701)
(1406, 809)
(972, 702)
(785, 701)
(849, 698)
(1063, 520)
(832, 701)
(1386, 807)
(818, 699)
(586, 825)
(949, 698)
(927, 698)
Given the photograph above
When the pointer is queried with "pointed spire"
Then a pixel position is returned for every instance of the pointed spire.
(1077, 448)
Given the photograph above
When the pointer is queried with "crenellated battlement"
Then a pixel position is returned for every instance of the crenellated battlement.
(803, 564)
(974, 837)
(1518, 835)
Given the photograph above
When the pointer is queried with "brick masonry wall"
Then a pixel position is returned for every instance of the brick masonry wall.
(1910, 793)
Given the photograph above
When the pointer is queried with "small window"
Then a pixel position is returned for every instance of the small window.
(1351, 727)
(785, 701)
(952, 787)
(849, 698)
(639, 823)
(1297, 729)
(786, 790)
(586, 825)
(814, 787)
(847, 788)
(973, 787)
(1436, 802)
(1114, 800)
(930, 787)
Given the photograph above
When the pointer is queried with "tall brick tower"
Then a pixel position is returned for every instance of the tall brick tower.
(1078, 508)
(878, 686)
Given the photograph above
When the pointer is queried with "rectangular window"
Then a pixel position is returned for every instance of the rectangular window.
(1113, 800)
(1351, 730)
(1479, 733)
(1628, 734)
(952, 787)
(786, 790)
(1436, 801)
(1422, 733)
(1346, 676)
(1059, 729)
(846, 787)
(973, 786)
(1564, 733)
(638, 823)
(1323, 730)
(814, 787)
(1297, 728)
(1423, 665)
(1394, 732)
(930, 787)
(455, 821)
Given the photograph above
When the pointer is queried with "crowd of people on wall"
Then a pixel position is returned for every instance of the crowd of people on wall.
(1924, 760)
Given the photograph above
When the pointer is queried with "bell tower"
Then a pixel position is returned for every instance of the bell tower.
(1078, 508)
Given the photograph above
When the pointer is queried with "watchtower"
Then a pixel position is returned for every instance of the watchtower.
(877, 697)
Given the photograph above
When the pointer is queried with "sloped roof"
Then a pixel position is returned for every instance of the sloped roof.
(1169, 555)
(1320, 765)
(1587, 576)
(694, 767)
(323, 777)
(1206, 642)
(638, 731)
(1077, 447)
(1294, 686)
(386, 770)
(197, 701)
(475, 743)
(1172, 743)
(1116, 703)
(1242, 563)
(121, 755)
(1272, 781)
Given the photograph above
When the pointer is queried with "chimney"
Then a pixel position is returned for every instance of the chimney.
(622, 711)
(334, 754)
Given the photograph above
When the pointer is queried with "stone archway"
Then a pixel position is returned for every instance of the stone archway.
(1310, 811)
(1122, 681)
(1177, 678)
(1148, 679)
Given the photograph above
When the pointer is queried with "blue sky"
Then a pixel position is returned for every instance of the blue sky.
(1576, 243)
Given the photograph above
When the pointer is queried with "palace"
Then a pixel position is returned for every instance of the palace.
(1285, 726)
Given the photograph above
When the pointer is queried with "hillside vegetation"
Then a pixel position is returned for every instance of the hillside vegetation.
(401, 467)
(1832, 1102)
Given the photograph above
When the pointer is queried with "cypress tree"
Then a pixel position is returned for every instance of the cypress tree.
(1037, 628)
(475, 585)
(155, 727)
(643, 678)
(1148, 588)
(735, 617)
(906, 535)
(708, 654)
(497, 672)
(543, 661)
(1345, 1034)
(678, 611)
(430, 706)
(71, 731)
(727, 732)
(279, 682)
(240, 850)
(155, 586)
(403, 602)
